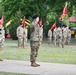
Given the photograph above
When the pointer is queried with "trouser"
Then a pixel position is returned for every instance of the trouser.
(49, 40)
(59, 42)
(55, 41)
(68, 40)
(34, 50)
(21, 42)
(2, 42)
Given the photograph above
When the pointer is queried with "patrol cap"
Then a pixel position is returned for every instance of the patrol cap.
(35, 16)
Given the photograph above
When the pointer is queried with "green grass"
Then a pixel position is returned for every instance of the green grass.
(46, 53)
(8, 73)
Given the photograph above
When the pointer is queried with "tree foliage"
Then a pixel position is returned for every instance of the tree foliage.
(48, 10)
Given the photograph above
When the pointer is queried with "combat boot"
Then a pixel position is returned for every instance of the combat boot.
(37, 64)
(23, 46)
(1, 60)
(33, 64)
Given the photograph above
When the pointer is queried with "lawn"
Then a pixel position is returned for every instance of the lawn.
(46, 53)
(8, 73)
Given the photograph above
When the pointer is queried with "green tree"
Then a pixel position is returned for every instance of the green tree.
(48, 10)
(16, 22)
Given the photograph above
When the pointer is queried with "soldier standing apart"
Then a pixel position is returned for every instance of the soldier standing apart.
(55, 36)
(50, 37)
(35, 39)
(22, 35)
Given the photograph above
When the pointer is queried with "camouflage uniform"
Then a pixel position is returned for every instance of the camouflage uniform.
(55, 36)
(2, 36)
(68, 36)
(59, 36)
(22, 36)
(64, 35)
(49, 37)
(35, 40)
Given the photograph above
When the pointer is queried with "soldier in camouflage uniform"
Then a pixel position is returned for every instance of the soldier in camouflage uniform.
(55, 36)
(68, 36)
(2, 36)
(22, 36)
(35, 40)
(59, 36)
(50, 37)
(64, 35)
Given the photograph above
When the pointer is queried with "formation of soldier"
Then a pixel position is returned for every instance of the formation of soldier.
(60, 36)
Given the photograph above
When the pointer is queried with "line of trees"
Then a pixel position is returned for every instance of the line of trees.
(48, 10)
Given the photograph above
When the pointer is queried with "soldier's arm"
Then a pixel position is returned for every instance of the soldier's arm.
(32, 27)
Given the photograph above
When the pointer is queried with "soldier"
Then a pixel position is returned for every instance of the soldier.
(50, 37)
(59, 36)
(2, 36)
(22, 35)
(68, 36)
(55, 36)
(35, 39)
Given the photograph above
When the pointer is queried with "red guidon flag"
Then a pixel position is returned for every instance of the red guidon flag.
(2, 20)
(40, 22)
(65, 11)
(53, 26)
(24, 21)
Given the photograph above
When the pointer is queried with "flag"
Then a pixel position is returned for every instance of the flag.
(40, 22)
(65, 11)
(27, 20)
(53, 26)
(2, 20)
(27, 23)
(24, 21)
(8, 23)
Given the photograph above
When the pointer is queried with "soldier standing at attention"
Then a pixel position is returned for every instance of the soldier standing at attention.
(55, 36)
(2, 34)
(35, 39)
(59, 36)
(64, 34)
(50, 37)
(68, 35)
(22, 35)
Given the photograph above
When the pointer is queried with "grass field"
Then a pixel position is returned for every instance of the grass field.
(46, 53)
